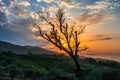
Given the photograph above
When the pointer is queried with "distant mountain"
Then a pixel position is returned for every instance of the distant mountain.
(5, 46)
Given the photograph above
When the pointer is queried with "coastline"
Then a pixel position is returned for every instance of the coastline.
(114, 57)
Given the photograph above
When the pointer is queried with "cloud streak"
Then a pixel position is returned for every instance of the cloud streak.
(104, 4)
(101, 38)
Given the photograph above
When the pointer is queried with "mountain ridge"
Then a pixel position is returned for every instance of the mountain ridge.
(6, 46)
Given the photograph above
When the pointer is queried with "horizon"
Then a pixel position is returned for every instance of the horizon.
(102, 56)
(101, 17)
(58, 51)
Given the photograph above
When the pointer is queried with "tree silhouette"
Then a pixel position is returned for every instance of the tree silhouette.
(64, 37)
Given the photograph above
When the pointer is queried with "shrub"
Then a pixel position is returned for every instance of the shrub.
(112, 64)
(8, 53)
(90, 60)
(1, 71)
(111, 75)
(104, 73)
(31, 71)
(13, 71)
(59, 74)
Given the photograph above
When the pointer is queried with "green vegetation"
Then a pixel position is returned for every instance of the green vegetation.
(54, 67)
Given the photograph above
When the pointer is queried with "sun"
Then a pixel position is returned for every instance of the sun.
(65, 45)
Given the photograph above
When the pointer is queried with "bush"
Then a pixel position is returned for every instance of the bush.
(112, 64)
(59, 74)
(111, 75)
(8, 53)
(31, 71)
(104, 73)
(90, 60)
(1, 71)
(13, 71)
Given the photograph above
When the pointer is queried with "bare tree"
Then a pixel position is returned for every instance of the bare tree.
(62, 31)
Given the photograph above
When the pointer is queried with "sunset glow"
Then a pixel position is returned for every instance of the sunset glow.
(101, 18)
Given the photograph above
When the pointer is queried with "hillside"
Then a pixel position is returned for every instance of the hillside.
(5, 46)
(54, 67)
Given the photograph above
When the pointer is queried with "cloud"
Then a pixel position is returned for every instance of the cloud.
(49, 1)
(24, 30)
(94, 17)
(17, 10)
(6, 2)
(70, 4)
(64, 3)
(99, 5)
(104, 4)
(24, 3)
(51, 7)
(106, 38)
(20, 31)
(21, 17)
(38, 0)
(101, 37)
(3, 19)
(20, 25)
(2, 4)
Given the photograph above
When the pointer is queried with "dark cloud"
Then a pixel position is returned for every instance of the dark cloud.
(1, 4)
(18, 28)
(21, 26)
(17, 10)
(106, 38)
(3, 18)
(20, 32)
(23, 22)
(101, 37)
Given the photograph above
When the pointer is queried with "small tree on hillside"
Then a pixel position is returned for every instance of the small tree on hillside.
(64, 37)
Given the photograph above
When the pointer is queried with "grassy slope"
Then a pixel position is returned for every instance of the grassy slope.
(91, 68)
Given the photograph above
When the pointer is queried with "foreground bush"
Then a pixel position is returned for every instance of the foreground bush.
(104, 74)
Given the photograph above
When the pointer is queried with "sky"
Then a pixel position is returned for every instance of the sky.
(101, 17)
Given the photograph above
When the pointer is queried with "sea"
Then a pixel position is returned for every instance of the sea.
(115, 57)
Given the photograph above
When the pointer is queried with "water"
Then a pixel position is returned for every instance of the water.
(115, 57)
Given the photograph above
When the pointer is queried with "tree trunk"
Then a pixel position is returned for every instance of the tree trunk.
(78, 67)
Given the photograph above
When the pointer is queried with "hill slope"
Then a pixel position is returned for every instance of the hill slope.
(5, 46)
(54, 67)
